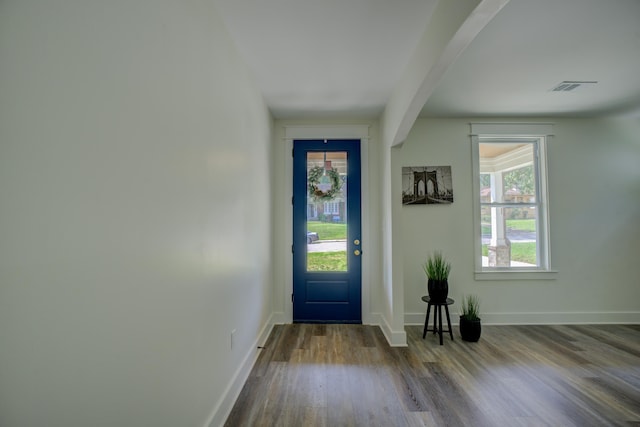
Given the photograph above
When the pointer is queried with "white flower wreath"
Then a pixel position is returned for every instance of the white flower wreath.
(320, 191)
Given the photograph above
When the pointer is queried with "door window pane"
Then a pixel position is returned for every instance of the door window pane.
(326, 211)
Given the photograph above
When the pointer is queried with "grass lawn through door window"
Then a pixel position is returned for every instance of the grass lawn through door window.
(327, 230)
(327, 261)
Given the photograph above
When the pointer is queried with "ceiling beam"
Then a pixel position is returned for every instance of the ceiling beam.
(452, 27)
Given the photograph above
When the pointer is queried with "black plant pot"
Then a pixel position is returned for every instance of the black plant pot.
(438, 290)
(470, 330)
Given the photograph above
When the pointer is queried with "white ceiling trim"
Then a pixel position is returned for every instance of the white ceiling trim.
(326, 132)
(511, 129)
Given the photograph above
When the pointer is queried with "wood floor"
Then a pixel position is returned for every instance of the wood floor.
(347, 375)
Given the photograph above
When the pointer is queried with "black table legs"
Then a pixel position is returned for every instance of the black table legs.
(437, 318)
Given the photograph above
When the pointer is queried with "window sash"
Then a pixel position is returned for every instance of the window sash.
(538, 141)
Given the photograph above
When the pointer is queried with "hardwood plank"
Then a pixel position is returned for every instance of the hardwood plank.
(347, 375)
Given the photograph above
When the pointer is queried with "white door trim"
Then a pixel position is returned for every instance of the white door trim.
(360, 132)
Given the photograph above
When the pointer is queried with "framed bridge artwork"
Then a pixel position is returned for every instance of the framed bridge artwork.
(427, 185)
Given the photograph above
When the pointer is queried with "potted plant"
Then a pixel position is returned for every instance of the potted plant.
(437, 269)
(470, 327)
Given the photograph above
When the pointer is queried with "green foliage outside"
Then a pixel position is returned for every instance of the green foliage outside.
(521, 179)
(327, 261)
(327, 230)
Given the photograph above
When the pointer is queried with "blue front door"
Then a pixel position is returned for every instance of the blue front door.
(327, 243)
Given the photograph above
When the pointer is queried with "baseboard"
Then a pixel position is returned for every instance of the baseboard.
(534, 318)
(231, 393)
(394, 338)
(372, 319)
(279, 318)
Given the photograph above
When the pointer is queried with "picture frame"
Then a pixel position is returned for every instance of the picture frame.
(427, 185)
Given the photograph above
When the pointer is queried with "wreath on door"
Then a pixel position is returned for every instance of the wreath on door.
(323, 184)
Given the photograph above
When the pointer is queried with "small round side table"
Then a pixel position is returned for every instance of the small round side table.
(437, 315)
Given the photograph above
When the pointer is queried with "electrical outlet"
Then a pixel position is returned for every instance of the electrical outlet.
(233, 333)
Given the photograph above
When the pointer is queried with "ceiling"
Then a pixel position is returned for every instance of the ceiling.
(343, 59)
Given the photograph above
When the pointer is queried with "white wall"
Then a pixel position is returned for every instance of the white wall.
(135, 213)
(594, 182)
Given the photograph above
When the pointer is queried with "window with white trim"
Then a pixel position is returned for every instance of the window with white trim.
(510, 192)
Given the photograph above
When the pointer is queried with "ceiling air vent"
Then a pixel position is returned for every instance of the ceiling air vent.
(570, 86)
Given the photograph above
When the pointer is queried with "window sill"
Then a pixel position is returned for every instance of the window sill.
(517, 275)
